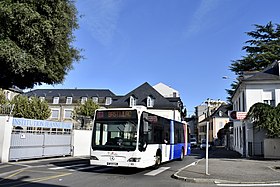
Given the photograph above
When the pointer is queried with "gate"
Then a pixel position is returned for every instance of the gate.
(38, 138)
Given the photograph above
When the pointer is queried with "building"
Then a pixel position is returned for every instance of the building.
(217, 121)
(158, 100)
(254, 87)
(204, 113)
(63, 101)
(6, 109)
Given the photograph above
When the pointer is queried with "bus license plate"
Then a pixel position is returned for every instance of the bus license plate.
(112, 164)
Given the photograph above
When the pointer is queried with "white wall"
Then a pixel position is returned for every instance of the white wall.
(81, 142)
(272, 148)
(218, 123)
(5, 137)
(237, 134)
(165, 90)
(167, 113)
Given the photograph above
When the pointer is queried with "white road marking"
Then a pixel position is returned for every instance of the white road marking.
(79, 169)
(271, 184)
(66, 167)
(157, 171)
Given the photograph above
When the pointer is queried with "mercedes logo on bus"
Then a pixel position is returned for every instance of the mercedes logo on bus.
(112, 158)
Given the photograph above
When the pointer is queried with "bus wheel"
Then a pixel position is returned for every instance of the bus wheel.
(182, 154)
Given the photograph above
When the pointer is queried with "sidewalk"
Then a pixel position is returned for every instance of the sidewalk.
(227, 167)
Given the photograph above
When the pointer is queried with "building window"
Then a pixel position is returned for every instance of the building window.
(83, 100)
(269, 98)
(68, 100)
(67, 114)
(269, 102)
(95, 99)
(55, 114)
(108, 101)
(55, 100)
(150, 101)
(132, 101)
(42, 99)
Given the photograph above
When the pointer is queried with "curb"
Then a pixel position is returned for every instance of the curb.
(216, 181)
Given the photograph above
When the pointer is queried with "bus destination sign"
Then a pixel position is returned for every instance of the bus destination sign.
(116, 114)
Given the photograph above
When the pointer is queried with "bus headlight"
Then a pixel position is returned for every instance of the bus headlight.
(93, 158)
(134, 160)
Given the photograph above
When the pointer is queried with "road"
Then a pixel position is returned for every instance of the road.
(78, 172)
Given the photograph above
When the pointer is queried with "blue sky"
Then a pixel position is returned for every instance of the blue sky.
(186, 44)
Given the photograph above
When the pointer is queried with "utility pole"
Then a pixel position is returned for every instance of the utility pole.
(207, 137)
(207, 149)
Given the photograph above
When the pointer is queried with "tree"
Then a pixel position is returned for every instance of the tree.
(84, 113)
(266, 117)
(32, 108)
(35, 42)
(87, 109)
(3, 99)
(262, 50)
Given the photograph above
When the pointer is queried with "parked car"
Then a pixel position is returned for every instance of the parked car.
(193, 142)
(203, 144)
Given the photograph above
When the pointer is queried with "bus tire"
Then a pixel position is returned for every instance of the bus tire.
(182, 154)
(158, 160)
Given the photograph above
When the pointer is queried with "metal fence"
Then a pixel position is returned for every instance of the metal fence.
(27, 144)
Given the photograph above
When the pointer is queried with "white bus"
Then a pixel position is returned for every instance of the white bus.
(136, 138)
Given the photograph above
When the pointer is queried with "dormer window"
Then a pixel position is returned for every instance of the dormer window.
(95, 99)
(55, 100)
(108, 101)
(83, 100)
(68, 100)
(132, 101)
(150, 101)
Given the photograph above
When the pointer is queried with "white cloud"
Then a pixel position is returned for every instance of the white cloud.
(199, 18)
(101, 17)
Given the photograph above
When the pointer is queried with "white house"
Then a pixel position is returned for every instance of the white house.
(254, 87)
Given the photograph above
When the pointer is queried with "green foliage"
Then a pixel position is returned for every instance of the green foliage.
(261, 51)
(266, 117)
(35, 42)
(32, 108)
(3, 99)
(87, 109)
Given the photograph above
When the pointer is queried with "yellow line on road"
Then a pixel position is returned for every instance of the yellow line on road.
(5, 166)
(41, 179)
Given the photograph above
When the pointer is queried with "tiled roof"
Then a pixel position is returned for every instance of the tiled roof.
(269, 73)
(75, 93)
(224, 112)
(141, 93)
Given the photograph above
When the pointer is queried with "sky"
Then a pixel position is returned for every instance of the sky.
(185, 44)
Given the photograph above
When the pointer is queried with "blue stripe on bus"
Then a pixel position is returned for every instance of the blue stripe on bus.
(171, 140)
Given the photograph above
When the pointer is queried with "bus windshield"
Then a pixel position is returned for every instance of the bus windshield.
(115, 135)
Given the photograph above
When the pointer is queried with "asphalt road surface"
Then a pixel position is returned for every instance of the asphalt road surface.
(77, 172)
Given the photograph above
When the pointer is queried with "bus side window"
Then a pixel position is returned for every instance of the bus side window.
(166, 131)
